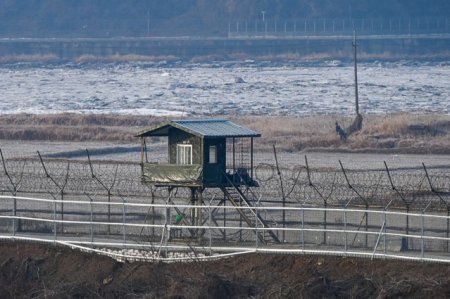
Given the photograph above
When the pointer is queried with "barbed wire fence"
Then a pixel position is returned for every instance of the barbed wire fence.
(290, 182)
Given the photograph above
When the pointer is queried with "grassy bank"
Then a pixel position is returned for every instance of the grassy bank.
(240, 56)
(402, 133)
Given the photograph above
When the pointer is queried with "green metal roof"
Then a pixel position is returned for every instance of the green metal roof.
(212, 128)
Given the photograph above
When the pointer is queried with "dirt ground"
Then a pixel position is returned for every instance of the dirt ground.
(46, 271)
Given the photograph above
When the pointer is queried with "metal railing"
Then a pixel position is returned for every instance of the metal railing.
(151, 228)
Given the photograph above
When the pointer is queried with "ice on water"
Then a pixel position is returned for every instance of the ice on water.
(184, 89)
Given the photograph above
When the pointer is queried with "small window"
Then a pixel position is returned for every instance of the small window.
(184, 154)
(212, 154)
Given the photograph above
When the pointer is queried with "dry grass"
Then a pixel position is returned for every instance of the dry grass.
(28, 58)
(124, 58)
(408, 133)
(74, 127)
(288, 56)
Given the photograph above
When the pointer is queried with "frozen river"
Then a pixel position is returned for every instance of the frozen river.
(225, 88)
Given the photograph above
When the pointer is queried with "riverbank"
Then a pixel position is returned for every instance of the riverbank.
(33, 270)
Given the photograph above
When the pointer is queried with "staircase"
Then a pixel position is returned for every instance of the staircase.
(250, 216)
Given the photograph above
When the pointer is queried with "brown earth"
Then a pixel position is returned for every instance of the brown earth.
(46, 271)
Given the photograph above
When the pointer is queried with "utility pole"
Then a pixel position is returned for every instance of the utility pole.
(357, 123)
(356, 73)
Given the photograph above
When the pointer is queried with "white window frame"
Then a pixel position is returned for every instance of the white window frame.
(212, 154)
(184, 154)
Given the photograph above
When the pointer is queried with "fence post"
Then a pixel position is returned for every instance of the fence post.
(421, 237)
(256, 226)
(123, 223)
(303, 229)
(66, 179)
(209, 224)
(54, 221)
(61, 188)
(325, 222)
(283, 197)
(345, 230)
(423, 230)
(14, 214)
(15, 222)
(448, 228)
(366, 214)
(107, 189)
(385, 226)
(321, 196)
(92, 222)
(225, 219)
(153, 214)
(384, 236)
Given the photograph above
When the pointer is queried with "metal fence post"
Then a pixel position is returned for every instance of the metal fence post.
(421, 237)
(210, 228)
(123, 223)
(384, 236)
(325, 222)
(256, 225)
(448, 228)
(54, 221)
(225, 219)
(303, 228)
(14, 214)
(345, 230)
(91, 221)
